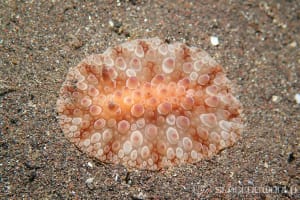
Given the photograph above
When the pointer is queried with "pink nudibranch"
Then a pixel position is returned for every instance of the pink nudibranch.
(147, 104)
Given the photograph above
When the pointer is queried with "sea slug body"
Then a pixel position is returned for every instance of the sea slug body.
(147, 104)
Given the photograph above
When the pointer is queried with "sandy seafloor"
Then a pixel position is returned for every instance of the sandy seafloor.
(258, 46)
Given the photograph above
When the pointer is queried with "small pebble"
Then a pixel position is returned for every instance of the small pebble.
(266, 165)
(90, 164)
(111, 23)
(293, 44)
(250, 182)
(297, 98)
(214, 40)
(275, 98)
(117, 177)
(89, 180)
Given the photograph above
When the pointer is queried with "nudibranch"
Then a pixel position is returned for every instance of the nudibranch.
(147, 104)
